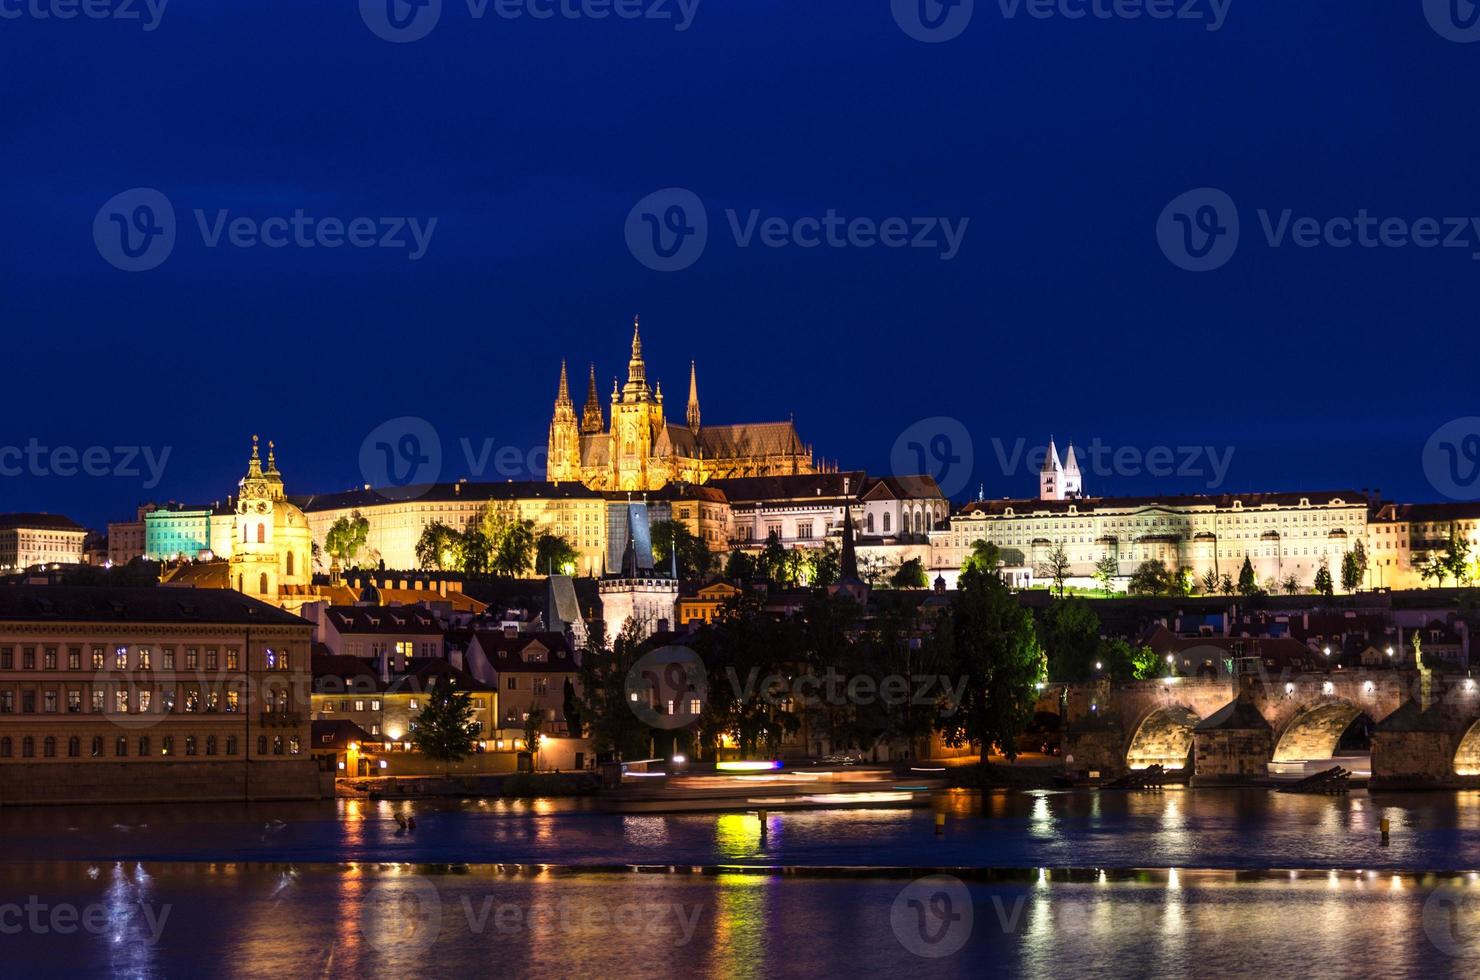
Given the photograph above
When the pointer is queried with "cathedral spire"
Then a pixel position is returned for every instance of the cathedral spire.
(693, 413)
(563, 397)
(636, 389)
(592, 420)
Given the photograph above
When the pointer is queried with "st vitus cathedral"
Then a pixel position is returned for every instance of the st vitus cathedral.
(642, 450)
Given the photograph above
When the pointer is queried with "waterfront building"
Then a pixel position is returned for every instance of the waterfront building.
(639, 449)
(114, 695)
(27, 540)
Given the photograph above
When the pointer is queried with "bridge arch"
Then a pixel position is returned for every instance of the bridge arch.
(1164, 738)
(1467, 754)
(1315, 730)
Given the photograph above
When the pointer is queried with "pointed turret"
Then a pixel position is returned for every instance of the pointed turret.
(1051, 476)
(636, 388)
(592, 420)
(254, 465)
(562, 397)
(564, 449)
(693, 412)
(1073, 479)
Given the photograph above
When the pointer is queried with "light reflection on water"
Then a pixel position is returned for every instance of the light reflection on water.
(263, 920)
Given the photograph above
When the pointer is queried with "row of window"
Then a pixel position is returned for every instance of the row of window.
(193, 745)
(125, 701)
(138, 658)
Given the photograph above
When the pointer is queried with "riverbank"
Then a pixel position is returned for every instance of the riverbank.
(542, 785)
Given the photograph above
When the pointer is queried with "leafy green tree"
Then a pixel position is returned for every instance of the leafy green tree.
(346, 537)
(739, 567)
(444, 730)
(987, 640)
(770, 564)
(1151, 577)
(741, 650)
(1291, 584)
(603, 703)
(513, 550)
(985, 557)
(534, 721)
(476, 551)
(1123, 661)
(695, 560)
(911, 575)
(827, 566)
(1351, 576)
(554, 554)
(1248, 582)
(439, 548)
(1324, 584)
(1456, 557)
(1055, 568)
(1210, 582)
(1226, 585)
(1105, 571)
(1069, 633)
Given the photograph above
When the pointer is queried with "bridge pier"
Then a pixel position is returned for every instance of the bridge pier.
(1233, 745)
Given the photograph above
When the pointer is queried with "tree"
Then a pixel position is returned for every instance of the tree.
(554, 555)
(476, 551)
(1210, 582)
(1055, 568)
(345, 537)
(771, 563)
(444, 730)
(1456, 557)
(739, 567)
(1359, 554)
(985, 556)
(987, 640)
(1226, 586)
(695, 560)
(605, 711)
(1069, 633)
(1324, 584)
(1248, 582)
(1105, 571)
(1291, 585)
(533, 722)
(827, 566)
(1123, 662)
(911, 575)
(512, 549)
(439, 548)
(1150, 578)
(1350, 576)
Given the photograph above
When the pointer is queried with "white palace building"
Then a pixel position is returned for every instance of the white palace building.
(1282, 534)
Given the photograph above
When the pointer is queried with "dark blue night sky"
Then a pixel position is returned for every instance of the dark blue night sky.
(530, 141)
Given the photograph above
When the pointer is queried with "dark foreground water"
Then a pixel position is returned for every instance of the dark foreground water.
(1186, 882)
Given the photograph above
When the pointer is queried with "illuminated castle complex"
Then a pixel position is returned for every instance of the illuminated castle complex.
(642, 450)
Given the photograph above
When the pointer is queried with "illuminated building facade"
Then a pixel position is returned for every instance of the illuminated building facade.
(121, 695)
(639, 449)
(27, 540)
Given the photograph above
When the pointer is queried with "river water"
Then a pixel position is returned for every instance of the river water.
(1062, 884)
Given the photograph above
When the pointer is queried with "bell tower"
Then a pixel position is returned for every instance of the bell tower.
(254, 564)
(632, 423)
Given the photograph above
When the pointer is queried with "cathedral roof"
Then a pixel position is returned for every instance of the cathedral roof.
(903, 488)
(753, 439)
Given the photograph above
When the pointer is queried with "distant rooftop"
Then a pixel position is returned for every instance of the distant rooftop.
(67, 603)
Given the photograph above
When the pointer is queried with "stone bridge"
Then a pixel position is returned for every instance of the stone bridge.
(1232, 727)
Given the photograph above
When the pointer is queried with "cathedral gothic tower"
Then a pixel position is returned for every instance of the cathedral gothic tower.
(638, 449)
(564, 462)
